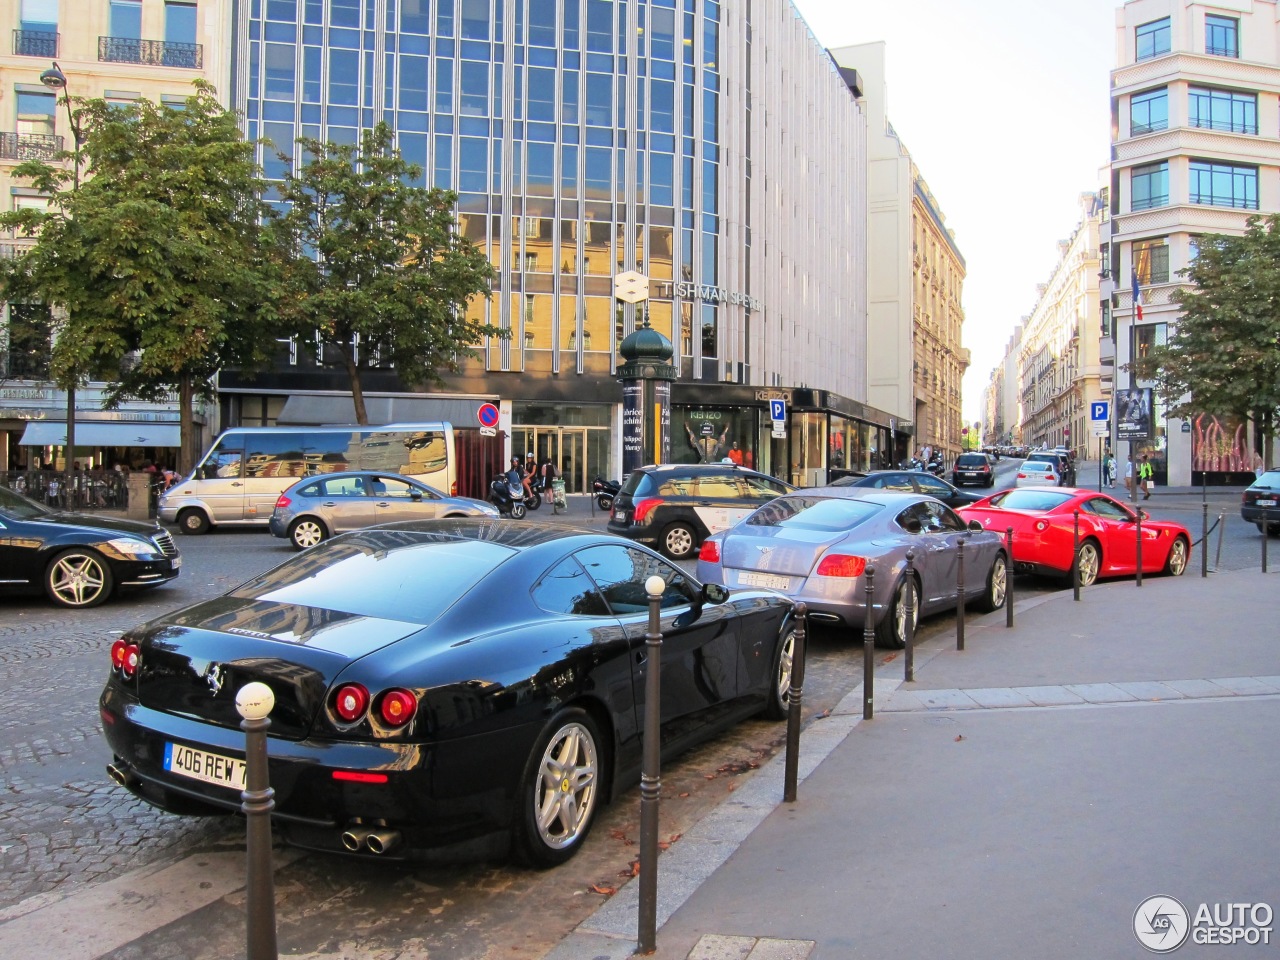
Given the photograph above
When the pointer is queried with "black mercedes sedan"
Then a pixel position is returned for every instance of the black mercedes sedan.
(911, 481)
(79, 560)
(461, 683)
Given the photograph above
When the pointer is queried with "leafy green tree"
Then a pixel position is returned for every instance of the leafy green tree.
(1224, 355)
(156, 261)
(375, 264)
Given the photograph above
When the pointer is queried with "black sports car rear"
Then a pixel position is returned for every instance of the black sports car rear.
(437, 682)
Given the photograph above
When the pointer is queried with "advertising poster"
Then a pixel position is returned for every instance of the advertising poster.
(1133, 414)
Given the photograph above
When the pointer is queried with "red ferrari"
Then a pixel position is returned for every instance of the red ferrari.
(1042, 519)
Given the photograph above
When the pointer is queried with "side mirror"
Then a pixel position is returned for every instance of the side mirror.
(1144, 514)
(975, 525)
(714, 593)
(415, 495)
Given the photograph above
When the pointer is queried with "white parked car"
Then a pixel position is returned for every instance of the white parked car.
(1038, 473)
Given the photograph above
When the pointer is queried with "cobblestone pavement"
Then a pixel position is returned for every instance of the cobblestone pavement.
(64, 825)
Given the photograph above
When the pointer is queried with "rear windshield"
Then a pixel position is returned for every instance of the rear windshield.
(1031, 499)
(814, 513)
(639, 484)
(1269, 479)
(1042, 462)
(971, 460)
(414, 580)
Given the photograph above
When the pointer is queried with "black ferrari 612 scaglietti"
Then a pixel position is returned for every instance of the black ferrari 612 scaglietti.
(79, 560)
(438, 682)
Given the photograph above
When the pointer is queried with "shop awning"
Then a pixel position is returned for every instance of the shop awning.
(314, 411)
(103, 433)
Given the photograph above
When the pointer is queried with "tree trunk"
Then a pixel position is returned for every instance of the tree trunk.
(357, 389)
(187, 429)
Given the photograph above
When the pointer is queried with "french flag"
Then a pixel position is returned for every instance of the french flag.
(1137, 297)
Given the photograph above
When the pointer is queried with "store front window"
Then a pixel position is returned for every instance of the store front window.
(575, 437)
(710, 434)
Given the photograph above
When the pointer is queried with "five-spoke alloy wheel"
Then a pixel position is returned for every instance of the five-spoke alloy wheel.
(78, 578)
(561, 789)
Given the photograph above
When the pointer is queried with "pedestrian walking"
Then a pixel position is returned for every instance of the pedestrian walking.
(1128, 474)
(1145, 473)
(1109, 468)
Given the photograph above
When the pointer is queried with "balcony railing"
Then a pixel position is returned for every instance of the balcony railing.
(35, 43)
(156, 53)
(29, 146)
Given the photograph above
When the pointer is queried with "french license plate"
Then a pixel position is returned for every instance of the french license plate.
(622, 516)
(1264, 503)
(203, 766)
(764, 580)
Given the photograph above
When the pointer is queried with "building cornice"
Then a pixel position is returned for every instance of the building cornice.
(1195, 68)
(1194, 141)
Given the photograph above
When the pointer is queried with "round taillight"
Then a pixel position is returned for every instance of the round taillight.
(350, 702)
(710, 551)
(841, 565)
(1042, 526)
(129, 661)
(117, 654)
(397, 707)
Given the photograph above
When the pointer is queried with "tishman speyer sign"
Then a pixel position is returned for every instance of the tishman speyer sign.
(707, 294)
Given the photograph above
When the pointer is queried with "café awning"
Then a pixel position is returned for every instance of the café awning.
(102, 433)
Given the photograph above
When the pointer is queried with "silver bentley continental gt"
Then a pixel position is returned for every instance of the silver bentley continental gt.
(815, 545)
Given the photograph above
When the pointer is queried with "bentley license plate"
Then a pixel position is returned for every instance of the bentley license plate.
(205, 767)
(764, 580)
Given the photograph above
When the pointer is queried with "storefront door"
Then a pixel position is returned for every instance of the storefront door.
(579, 453)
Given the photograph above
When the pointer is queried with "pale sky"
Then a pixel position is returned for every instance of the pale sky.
(1004, 106)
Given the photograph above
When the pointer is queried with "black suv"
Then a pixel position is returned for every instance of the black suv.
(973, 468)
(676, 506)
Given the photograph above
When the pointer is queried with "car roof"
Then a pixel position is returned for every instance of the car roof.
(663, 468)
(517, 536)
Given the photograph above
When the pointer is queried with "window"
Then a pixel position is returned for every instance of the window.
(126, 19)
(1151, 261)
(1223, 110)
(566, 588)
(1153, 39)
(1221, 36)
(1148, 335)
(35, 113)
(41, 15)
(179, 22)
(1224, 185)
(1150, 185)
(1149, 111)
(621, 573)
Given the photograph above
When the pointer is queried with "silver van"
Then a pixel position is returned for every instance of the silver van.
(237, 482)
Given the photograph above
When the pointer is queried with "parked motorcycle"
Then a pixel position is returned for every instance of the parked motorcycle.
(508, 497)
(605, 491)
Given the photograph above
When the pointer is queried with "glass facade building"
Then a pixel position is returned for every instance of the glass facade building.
(715, 149)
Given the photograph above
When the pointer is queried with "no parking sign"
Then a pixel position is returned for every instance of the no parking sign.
(487, 414)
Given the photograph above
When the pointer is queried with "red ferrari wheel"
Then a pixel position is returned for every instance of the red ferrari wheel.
(1090, 562)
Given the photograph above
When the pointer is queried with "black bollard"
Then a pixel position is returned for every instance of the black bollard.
(869, 643)
(960, 592)
(909, 629)
(1008, 579)
(795, 699)
(651, 772)
(1139, 546)
(1204, 541)
(254, 702)
(1075, 556)
(1266, 535)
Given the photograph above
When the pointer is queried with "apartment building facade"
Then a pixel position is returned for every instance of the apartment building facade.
(1195, 151)
(121, 50)
(916, 278)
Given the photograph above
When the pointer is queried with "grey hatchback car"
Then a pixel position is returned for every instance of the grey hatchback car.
(316, 508)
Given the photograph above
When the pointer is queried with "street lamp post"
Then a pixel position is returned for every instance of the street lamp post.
(56, 80)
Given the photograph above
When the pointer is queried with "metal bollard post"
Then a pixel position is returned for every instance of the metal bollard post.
(1139, 546)
(1266, 535)
(1075, 557)
(869, 643)
(1204, 541)
(795, 700)
(909, 629)
(651, 772)
(1217, 558)
(1008, 579)
(254, 702)
(960, 592)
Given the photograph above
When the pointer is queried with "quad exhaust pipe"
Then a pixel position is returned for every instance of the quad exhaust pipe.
(377, 840)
